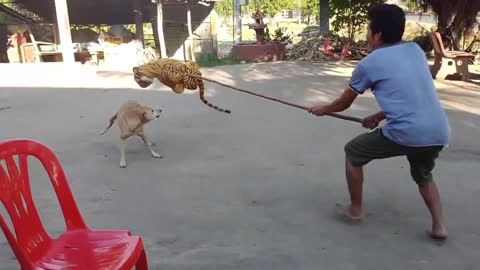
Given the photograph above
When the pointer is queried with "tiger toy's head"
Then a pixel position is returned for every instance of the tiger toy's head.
(141, 79)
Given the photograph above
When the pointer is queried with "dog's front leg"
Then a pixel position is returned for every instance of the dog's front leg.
(148, 144)
(123, 163)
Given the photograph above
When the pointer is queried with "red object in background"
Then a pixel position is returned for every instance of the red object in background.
(79, 247)
(345, 51)
(327, 49)
(22, 40)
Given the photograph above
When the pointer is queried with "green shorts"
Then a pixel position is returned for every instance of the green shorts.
(374, 145)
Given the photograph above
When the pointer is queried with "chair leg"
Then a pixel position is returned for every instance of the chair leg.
(462, 68)
(142, 263)
(436, 66)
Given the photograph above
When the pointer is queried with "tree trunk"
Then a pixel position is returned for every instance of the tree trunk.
(3, 44)
(455, 17)
(324, 20)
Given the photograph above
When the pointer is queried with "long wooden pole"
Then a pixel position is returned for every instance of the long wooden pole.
(161, 36)
(336, 115)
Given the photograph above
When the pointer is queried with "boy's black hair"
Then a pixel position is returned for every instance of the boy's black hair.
(389, 20)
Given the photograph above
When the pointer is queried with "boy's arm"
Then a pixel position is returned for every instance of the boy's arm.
(340, 104)
(373, 120)
(359, 83)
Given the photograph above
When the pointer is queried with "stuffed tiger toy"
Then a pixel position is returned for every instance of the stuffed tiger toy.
(174, 74)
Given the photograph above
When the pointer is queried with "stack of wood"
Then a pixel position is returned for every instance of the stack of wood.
(313, 48)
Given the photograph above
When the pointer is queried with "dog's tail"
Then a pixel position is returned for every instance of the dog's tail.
(112, 120)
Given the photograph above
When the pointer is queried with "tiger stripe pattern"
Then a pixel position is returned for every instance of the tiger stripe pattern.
(174, 74)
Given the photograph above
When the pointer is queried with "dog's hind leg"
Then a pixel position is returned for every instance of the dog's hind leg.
(123, 163)
(148, 144)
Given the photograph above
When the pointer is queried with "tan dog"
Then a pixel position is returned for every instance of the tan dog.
(131, 117)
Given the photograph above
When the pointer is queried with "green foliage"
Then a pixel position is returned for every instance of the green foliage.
(350, 15)
(266, 36)
(280, 35)
(310, 7)
(270, 7)
(224, 8)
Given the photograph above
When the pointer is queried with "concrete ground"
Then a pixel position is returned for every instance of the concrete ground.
(252, 190)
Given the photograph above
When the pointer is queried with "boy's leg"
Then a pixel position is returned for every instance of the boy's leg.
(360, 151)
(421, 166)
(354, 176)
(431, 196)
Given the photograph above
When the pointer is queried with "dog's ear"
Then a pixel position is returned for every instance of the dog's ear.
(144, 115)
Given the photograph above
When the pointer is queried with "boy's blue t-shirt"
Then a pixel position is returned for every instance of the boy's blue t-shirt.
(400, 80)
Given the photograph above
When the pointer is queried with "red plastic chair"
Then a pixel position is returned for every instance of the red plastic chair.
(344, 53)
(79, 247)
(327, 49)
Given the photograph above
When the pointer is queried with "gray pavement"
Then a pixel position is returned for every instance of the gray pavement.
(252, 190)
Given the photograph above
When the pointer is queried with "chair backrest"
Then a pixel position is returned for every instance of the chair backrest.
(437, 42)
(15, 194)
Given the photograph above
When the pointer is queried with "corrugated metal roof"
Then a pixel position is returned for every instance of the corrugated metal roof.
(99, 11)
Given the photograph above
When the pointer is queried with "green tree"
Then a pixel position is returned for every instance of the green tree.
(224, 8)
(270, 7)
(309, 9)
(350, 15)
(456, 19)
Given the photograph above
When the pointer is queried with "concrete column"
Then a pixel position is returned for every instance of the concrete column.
(237, 22)
(63, 24)
(161, 35)
(190, 31)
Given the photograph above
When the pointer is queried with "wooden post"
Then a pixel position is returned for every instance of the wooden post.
(138, 18)
(190, 32)
(237, 22)
(161, 37)
(323, 17)
(153, 23)
(63, 24)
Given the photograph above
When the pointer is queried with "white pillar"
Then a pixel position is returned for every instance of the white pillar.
(237, 22)
(63, 24)
(190, 32)
(161, 36)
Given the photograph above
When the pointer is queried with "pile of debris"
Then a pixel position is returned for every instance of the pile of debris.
(313, 48)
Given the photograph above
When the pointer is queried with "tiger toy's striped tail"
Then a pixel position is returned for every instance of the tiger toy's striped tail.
(201, 87)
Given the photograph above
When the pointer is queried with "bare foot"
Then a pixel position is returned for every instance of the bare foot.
(438, 232)
(349, 214)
